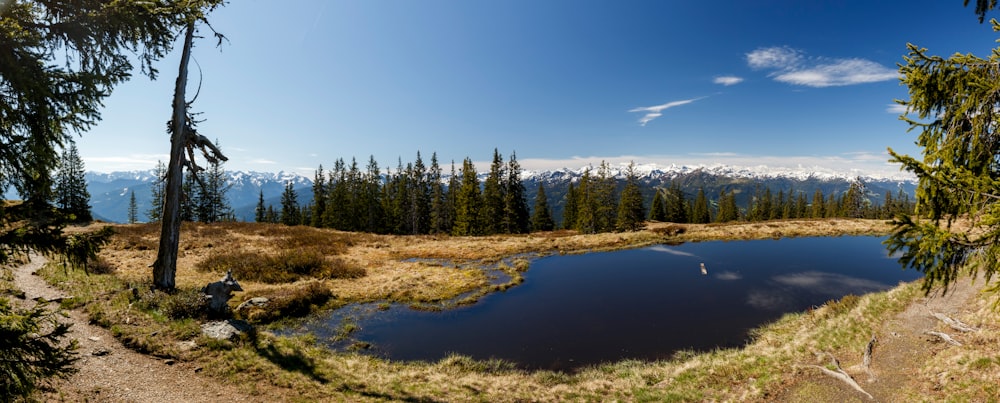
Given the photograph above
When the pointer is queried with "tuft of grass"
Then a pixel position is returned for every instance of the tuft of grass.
(290, 302)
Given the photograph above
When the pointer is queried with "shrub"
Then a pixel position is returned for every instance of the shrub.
(296, 302)
(31, 349)
(288, 266)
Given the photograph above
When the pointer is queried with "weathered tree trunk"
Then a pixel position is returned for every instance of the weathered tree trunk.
(165, 267)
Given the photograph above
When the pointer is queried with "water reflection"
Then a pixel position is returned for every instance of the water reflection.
(646, 303)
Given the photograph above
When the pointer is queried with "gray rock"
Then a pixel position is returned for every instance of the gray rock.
(252, 302)
(226, 329)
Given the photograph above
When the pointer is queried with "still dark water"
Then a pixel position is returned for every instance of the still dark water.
(579, 310)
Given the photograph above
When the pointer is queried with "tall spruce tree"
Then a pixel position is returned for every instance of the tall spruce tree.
(133, 209)
(657, 211)
(818, 204)
(631, 212)
(468, 202)
(700, 214)
(438, 199)
(212, 203)
(420, 197)
(491, 213)
(605, 199)
(156, 192)
(290, 213)
(260, 211)
(319, 197)
(571, 207)
(516, 217)
(71, 195)
(541, 216)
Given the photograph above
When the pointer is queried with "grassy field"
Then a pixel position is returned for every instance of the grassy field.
(302, 270)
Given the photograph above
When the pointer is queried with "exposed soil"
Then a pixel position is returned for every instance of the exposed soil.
(903, 347)
(111, 372)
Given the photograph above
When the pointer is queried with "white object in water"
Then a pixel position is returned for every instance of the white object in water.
(703, 270)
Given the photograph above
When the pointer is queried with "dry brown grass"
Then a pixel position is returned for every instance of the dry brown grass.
(280, 366)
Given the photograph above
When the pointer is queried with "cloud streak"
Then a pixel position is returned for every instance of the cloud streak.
(791, 66)
(653, 112)
(727, 80)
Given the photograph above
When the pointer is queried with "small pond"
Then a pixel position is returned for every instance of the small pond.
(647, 303)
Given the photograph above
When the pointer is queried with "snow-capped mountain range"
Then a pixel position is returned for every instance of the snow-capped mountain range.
(110, 192)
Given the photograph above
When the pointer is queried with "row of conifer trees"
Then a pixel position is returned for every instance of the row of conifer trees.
(414, 199)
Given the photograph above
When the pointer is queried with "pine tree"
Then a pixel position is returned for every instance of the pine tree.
(516, 217)
(492, 208)
(156, 190)
(468, 202)
(290, 213)
(319, 197)
(189, 198)
(657, 211)
(133, 209)
(373, 216)
(727, 207)
(605, 199)
(585, 221)
(420, 198)
(71, 195)
(571, 208)
(451, 199)
(212, 203)
(631, 212)
(700, 213)
(676, 204)
(541, 217)
(438, 199)
(818, 204)
(260, 211)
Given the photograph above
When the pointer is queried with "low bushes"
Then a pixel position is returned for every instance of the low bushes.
(294, 302)
(285, 267)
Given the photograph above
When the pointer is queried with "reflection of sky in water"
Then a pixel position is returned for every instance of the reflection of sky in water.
(830, 285)
(728, 276)
(577, 310)
(670, 250)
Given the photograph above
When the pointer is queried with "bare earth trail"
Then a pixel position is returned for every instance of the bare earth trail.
(111, 372)
(902, 350)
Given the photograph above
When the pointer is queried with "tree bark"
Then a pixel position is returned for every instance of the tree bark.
(165, 266)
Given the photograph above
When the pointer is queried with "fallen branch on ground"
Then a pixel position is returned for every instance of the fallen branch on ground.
(954, 323)
(866, 358)
(840, 374)
(945, 337)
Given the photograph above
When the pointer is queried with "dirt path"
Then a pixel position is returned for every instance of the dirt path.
(902, 350)
(110, 372)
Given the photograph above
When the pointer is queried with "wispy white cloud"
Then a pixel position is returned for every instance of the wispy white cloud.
(895, 109)
(262, 161)
(130, 162)
(727, 80)
(777, 57)
(791, 66)
(653, 112)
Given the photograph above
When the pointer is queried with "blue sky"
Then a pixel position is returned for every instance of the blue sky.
(562, 83)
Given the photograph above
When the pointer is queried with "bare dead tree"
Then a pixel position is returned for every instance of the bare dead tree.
(184, 139)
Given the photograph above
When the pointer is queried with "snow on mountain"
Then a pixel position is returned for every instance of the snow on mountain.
(760, 172)
(110, 192)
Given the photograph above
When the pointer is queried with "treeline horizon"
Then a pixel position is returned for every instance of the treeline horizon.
(415, 199)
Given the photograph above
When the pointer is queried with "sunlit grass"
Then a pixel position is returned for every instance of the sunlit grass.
(299, 367)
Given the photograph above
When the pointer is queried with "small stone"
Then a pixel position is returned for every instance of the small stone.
(169, 361)
(100, 352)
(226, 329)
(198, 369)
(93, 338)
